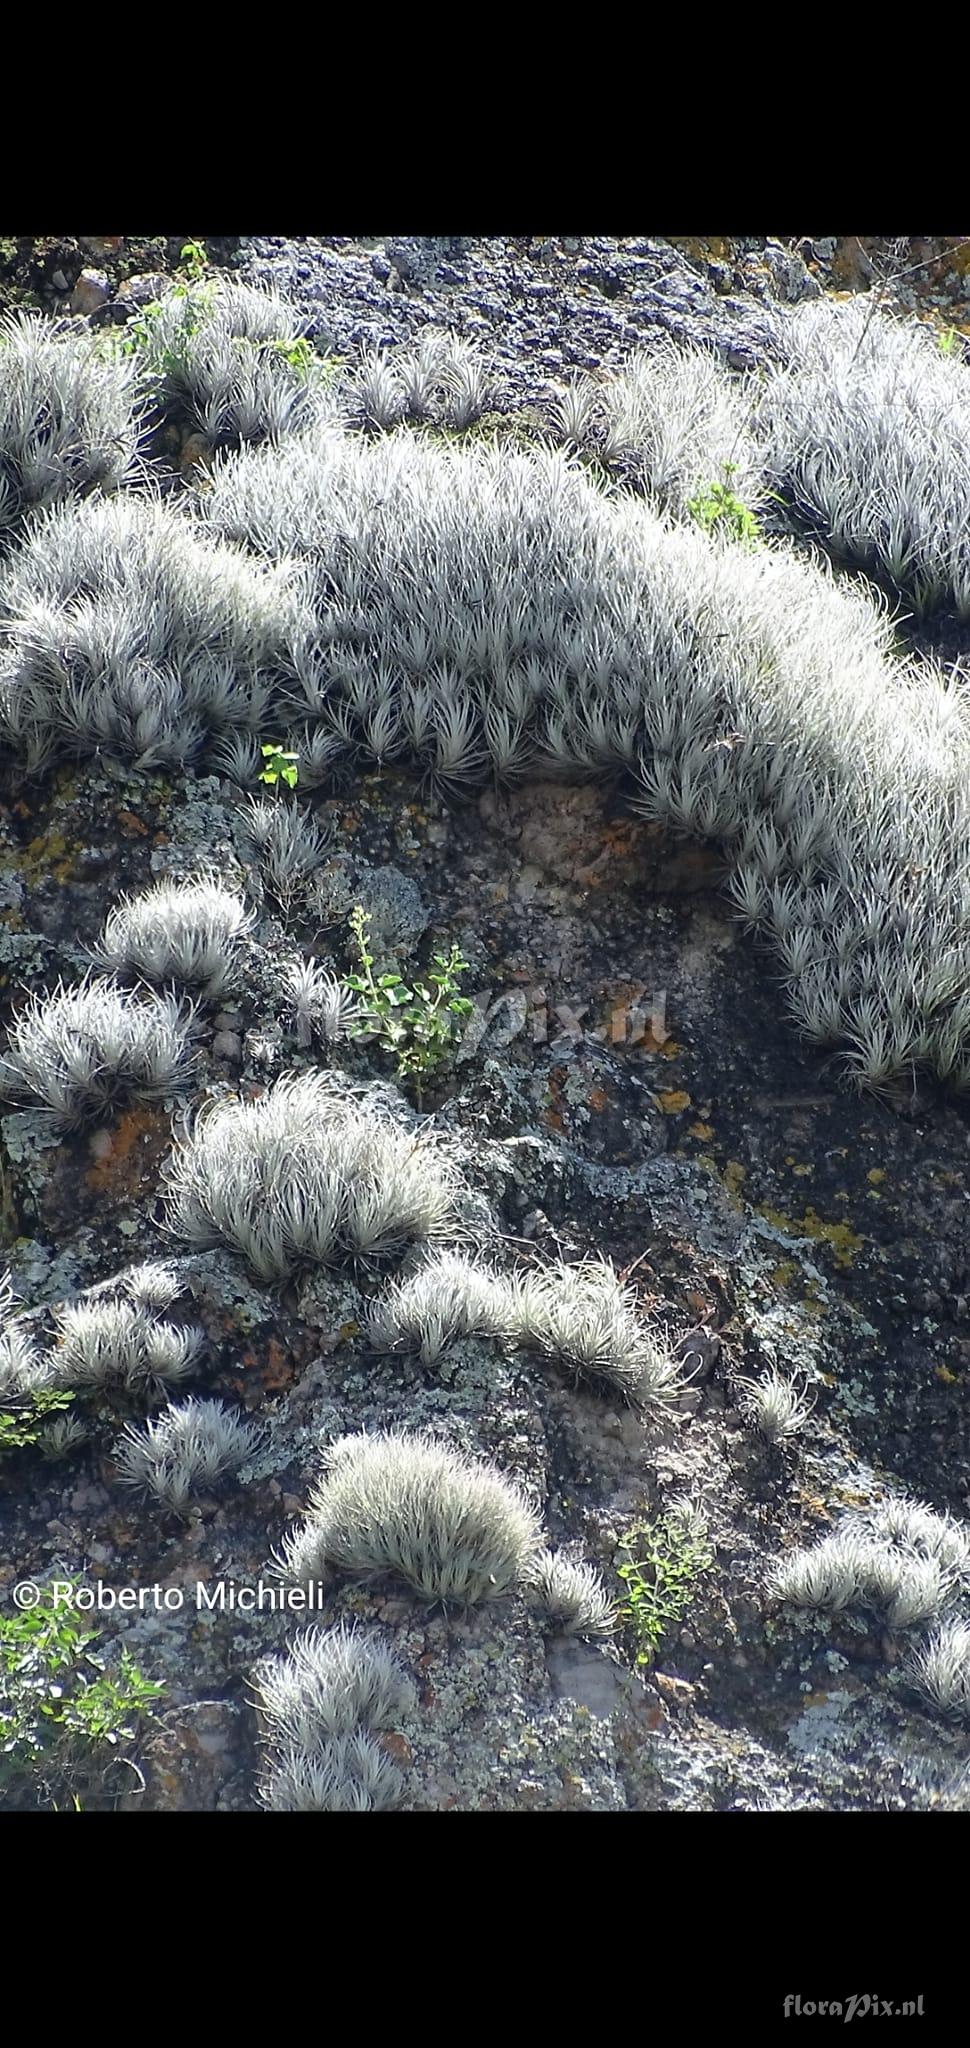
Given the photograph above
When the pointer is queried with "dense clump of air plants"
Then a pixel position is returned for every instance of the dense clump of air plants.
(586, 1319)
(329, 1684)
(899, 1560)
(747, 699)
(230, 361)
(70, 415)
(123, 628)
(864, 429)
(178, 931)
(583, 1316)
(322, 1005)
(486, 615)
(940, 1670)
(908, 1566)
(441, 378)
(104, 1341)
(673, 420)
(23, 1366)
(448, 1296)
(319, 1707)
(152, 1284)
(774, 1406)
(79, 1050)
(352, 1774)
(401, 1506)
(184, 1451)
(307, 1174)
(571, 1595)
(288, 844)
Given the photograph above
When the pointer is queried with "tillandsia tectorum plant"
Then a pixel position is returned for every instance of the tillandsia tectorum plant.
(320, 1707)
(774, 1406)
(70, 416)
(127, 632)
(309, 1175)
(897, 1559)
(23, 1369)
(864, 428)
(742, 695)
(185, 1450)
(586, 1318)
(186, 932)
(571, 1595)
(226, 359)
(77, 1051)
(399, 1505)
(448, 1296)
(669, 421)
(105, 1341)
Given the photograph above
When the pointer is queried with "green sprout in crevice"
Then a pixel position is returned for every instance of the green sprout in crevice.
(661, 1563)
(717, 506)
(419, 1024)
(279, 765)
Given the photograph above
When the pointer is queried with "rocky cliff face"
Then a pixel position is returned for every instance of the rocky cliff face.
(626, 1087)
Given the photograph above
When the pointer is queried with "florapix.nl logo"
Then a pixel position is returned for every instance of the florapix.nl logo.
(637, 1018)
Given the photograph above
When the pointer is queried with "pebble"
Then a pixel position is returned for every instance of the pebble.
(91, 292)
(227, 1045)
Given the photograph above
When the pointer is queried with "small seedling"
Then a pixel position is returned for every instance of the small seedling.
(194, 260)
(297, 351)
(718, 504)
(420, 1024)
(661, 1563)
(278, 766)
(22, 1428)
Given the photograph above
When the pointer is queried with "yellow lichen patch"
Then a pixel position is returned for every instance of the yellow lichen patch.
(801, 1171)
(813, 1504)
(845, 1242)
(876, 1175)
(943, 1373)
(701, 246)
(127, 1165)
(784, 1273)
(49, 857)
(704, 1131)
(673, 1101)
(733, 1175)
